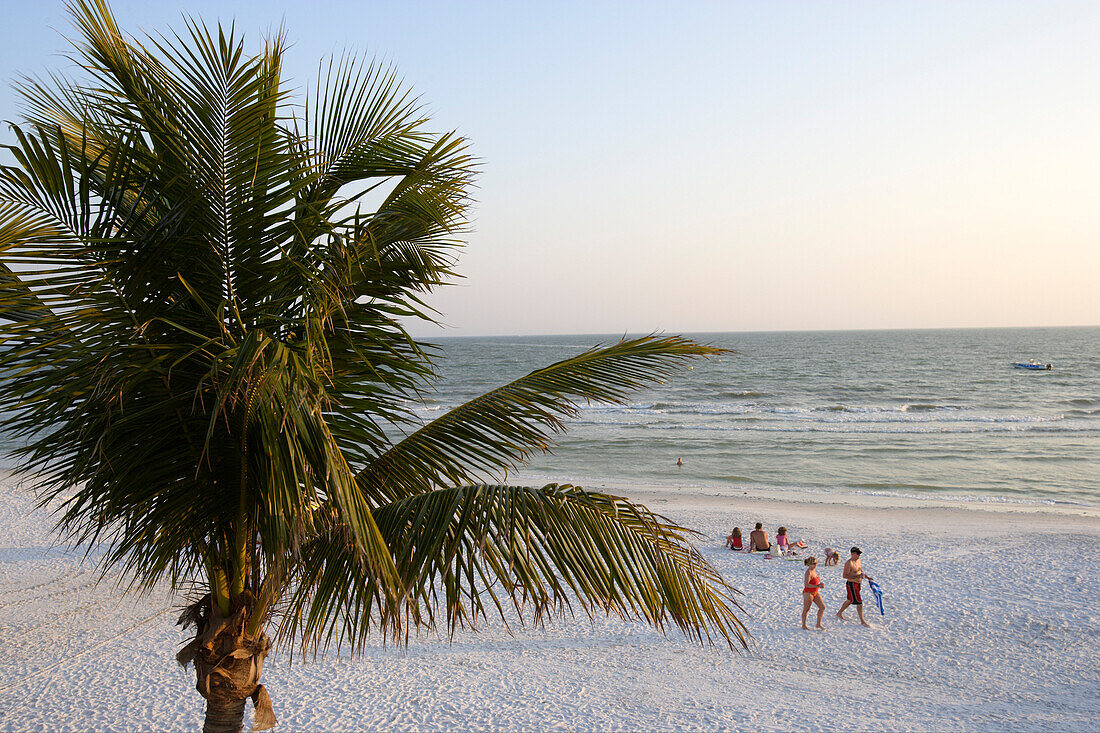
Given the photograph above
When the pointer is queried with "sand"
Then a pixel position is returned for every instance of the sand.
(991, 624)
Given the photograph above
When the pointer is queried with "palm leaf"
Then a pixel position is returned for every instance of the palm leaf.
(496, 432)
(470, 551)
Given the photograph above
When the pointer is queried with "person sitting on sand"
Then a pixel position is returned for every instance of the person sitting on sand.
(758, 539)
(785, 544)
(853, 573)
(832, 557)
(811, 585)
(734, 540)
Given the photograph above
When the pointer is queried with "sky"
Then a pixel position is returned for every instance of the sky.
(726, 166)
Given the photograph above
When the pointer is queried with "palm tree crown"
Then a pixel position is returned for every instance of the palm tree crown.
(200, 321)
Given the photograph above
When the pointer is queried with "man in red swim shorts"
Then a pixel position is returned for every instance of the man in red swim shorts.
(853, 573)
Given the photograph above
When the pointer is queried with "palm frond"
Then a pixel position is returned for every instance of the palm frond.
(469, 552)
(363, 124)
(494, 433)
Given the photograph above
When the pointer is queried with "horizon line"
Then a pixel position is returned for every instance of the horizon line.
(762, 330)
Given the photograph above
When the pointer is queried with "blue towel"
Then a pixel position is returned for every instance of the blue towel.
(878, 595)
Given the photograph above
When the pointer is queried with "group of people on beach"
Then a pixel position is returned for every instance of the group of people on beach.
(811, 582)
(853, 581)
(758, 540)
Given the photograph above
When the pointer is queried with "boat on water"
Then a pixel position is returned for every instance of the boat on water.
(1033, 365)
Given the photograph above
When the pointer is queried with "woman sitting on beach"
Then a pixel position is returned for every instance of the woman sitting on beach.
(784, 542)
(734, 540)
(811, 585)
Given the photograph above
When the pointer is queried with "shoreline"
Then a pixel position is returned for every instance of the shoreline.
(714, 495)
(913, 515)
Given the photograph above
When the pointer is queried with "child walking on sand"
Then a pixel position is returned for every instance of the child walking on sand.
(811, 586)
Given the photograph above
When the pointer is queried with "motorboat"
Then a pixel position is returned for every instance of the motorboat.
(1033, 365)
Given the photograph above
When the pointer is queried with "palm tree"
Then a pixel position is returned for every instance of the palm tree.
(203, 292)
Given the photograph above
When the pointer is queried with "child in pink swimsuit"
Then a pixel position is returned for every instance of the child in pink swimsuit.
(784, 542)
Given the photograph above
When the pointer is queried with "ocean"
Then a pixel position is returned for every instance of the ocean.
(925, 415)
(919, 415)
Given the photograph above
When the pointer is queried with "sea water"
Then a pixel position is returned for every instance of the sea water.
(921, 414)
(926, 415)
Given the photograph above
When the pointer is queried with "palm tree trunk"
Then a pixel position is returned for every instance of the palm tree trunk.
(223, 715)
(228, 665)
(228, 674)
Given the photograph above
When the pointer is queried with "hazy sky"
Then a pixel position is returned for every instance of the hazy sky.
(730, 166)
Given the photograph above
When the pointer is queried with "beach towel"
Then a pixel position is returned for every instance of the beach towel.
(878, 595)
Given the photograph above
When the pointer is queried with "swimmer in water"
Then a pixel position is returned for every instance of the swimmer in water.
(679, 461)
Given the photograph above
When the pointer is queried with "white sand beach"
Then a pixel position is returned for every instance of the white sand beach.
(991, 624)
